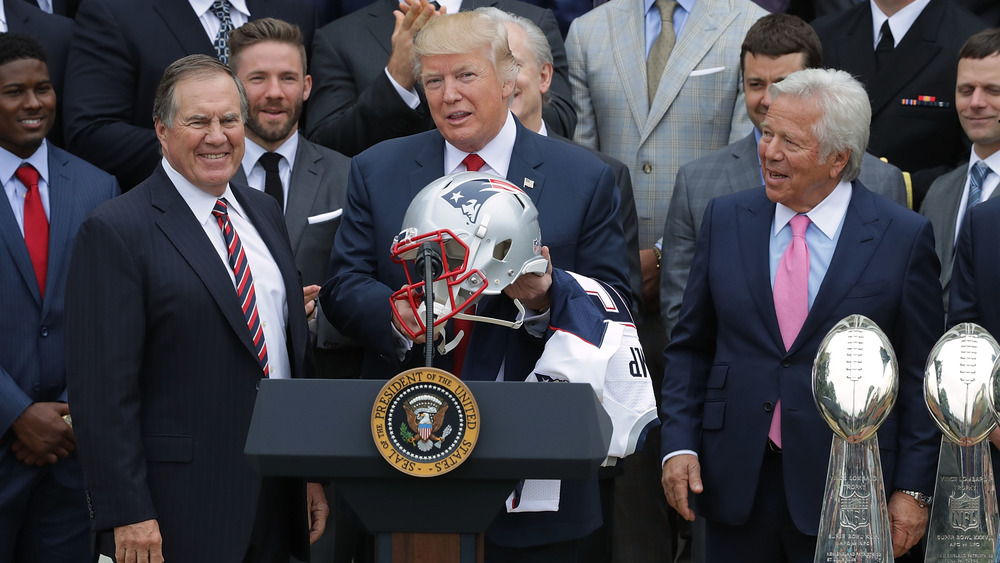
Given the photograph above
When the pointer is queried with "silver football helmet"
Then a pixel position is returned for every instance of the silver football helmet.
(486, 231)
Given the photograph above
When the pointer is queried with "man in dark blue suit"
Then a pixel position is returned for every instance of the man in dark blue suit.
(118, 53)
(468, 84)
(206, 301)
(742, 352)
(43, 511)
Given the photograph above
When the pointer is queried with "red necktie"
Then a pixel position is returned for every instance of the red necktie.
(791, 299)
(473, 162)
(36, 226)
(244, 282)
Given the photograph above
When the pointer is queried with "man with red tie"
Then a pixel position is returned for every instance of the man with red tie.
(43, 511)
(774, 269)
(205, 301)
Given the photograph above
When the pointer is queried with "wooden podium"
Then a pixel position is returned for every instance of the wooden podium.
(320, 429)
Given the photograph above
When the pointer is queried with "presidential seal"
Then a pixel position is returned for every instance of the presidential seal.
(425, 422)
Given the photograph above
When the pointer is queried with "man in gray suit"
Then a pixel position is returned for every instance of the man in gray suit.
(309, 181)
(774, 47)
(978, 104)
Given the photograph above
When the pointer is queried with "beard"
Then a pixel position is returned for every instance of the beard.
(275, 132)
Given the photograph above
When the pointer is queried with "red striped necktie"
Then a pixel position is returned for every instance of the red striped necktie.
(244, 282)
(473, 162)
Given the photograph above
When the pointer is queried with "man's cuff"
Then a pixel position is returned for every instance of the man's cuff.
(677, 453)
(409, 97)
(536, 323)
(402, 344)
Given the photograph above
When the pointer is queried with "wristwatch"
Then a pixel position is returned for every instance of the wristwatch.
(923, 500)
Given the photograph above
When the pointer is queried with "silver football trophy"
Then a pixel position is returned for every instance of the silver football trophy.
(957, 381)
(854, 382)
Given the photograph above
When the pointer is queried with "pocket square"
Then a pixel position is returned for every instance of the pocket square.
(704, 71)
(324, 217)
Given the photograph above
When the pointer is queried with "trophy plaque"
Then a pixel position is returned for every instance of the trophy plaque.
(963, 523)
(854, 383)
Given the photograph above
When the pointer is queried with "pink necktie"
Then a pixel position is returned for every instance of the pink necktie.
(791, 299)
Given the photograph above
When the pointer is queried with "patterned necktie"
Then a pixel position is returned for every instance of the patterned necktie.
(977, 176)
(884, 47)
(662, 46)
(221, 10)
(36, 226)
(244, 282)
(272, 180)
(473, 163)
(791, 299)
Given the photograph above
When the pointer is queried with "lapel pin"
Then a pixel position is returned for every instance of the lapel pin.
(529, 183)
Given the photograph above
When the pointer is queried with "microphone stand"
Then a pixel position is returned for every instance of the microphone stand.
(429, 258)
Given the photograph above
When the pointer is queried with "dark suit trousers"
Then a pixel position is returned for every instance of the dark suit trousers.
(769, 536)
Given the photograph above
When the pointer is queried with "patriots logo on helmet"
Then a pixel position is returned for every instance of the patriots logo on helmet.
(468, 197)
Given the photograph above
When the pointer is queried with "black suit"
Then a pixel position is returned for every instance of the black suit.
(925, 141)
(354, 106)
(120, 49)
(54, 33)
(163, 389)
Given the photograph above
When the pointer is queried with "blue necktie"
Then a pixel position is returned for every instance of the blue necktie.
(221, 10)
(977, 175)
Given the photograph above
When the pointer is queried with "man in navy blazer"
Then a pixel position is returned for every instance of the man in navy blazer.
(43, 511)
(468, 93)
(172, 322)
(732, 365)
(118, 53)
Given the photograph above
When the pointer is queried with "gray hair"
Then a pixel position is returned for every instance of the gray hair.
(455, 34)
(846, 113)
(538, 44)
(191, 66)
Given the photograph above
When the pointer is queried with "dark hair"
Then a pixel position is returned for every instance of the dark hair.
(15, 46)
(265, 29)
(981, 45)
(775, 35)
(191, 66)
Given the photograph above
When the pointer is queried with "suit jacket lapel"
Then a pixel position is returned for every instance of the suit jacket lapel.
(62, 206)
(429, 160)
(856, 52)
(859, 238)
(945, 230)
(186, 234)
(13, 239)
(701, 31)
(185, 26)
(381, 23)
(303, 188)
(628, 47)
(753, 223)
(744, 170)
(910, 56)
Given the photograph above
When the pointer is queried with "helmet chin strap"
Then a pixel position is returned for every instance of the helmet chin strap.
(444, 347)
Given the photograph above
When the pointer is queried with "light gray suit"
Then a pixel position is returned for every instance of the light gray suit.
(728, 170)
(941, 206)
(698, 106)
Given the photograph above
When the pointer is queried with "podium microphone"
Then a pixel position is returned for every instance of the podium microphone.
(429, 266)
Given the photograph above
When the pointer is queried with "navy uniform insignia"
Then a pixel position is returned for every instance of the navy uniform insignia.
(425, 422)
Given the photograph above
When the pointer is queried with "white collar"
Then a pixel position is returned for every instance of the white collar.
(200, 201)
(899, 23)
(253, 151)
(496, 153)
(826, 215)
(10, 162)
(201, 6)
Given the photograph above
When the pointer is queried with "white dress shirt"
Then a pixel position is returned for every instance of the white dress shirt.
(255, 172)
(986, 190)
(899, 23)
(269, 285)
(238, 12)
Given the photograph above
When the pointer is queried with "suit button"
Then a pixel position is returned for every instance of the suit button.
(786, 363)
(768, 406)
(647, 168)
(44, 332)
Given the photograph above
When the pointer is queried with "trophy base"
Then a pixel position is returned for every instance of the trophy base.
(854, 523)
(963, 524)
